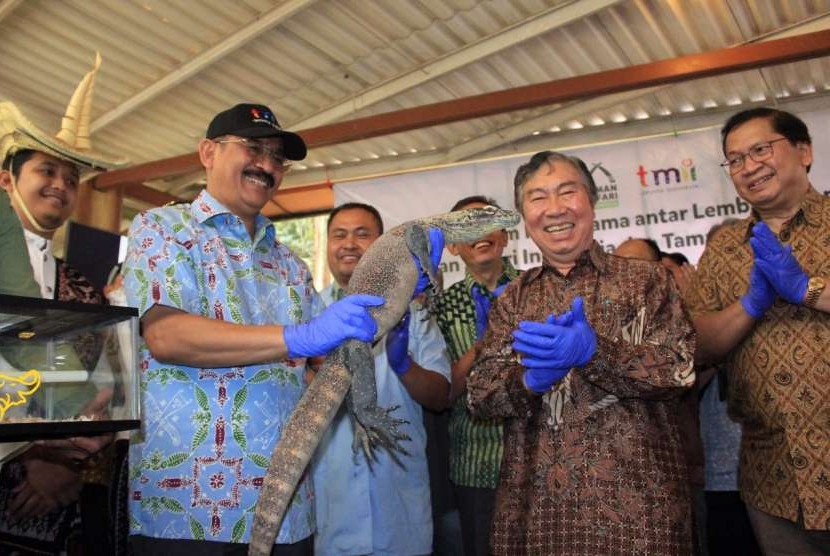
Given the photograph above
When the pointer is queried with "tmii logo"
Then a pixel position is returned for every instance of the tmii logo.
(686, 173)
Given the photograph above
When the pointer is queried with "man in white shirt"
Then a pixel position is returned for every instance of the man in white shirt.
(380, 507)
(44, 191)
(41, 487)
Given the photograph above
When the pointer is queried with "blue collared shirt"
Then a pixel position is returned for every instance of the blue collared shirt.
(208, 434)
(385, 509)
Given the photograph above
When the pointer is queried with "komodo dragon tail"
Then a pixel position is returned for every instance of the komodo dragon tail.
(298, 439)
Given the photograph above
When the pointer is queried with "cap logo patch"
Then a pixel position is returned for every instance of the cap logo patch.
(264, 117)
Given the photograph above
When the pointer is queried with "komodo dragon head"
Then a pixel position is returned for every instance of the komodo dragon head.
(463, 226)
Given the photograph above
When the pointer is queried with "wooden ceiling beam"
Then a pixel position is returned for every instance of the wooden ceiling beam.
(695, 66)
(554, 17)
(300, 200)
(148, 171)
(149, 195)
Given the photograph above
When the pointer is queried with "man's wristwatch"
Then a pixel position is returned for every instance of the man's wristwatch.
(815, 286)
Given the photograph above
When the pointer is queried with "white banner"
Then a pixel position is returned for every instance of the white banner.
(670, 189)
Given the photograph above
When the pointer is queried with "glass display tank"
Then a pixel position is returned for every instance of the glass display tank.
(66, 369)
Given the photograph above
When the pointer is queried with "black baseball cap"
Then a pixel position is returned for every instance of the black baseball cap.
(254, 121)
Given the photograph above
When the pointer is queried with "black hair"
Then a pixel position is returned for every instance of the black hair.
(679, 258)
(784, 123)
(539, 159)
(362, 206)
(653, 247)
(473, 199)
(14, 162)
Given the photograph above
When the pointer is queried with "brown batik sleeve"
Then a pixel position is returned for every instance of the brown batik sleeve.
(650, 355)
(495, 386)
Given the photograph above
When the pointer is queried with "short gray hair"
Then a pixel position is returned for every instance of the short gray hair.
(539, 159)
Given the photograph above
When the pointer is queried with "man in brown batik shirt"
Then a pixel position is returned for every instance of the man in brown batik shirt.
(760, 303)
(585, 358)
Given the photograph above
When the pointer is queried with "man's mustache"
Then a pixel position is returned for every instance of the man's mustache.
(264, 176)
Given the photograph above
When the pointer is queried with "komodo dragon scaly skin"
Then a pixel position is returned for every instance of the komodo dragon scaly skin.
(388, 270)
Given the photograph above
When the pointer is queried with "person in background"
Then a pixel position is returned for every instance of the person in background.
(728, 530)
(446, 522)
(760, 305)
(55, 494)
(645, 249)
(383, 506)
(676, 259)
(230, 320)
(681, 269)
(584, 358)
(475, 445)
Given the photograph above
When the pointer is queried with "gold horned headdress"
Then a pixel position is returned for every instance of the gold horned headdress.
(71, 143)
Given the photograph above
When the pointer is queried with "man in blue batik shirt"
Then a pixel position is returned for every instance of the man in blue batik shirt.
(229, 319)
(383, 508)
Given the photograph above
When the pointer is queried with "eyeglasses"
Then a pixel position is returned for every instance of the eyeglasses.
(758, 153)
(258, 150)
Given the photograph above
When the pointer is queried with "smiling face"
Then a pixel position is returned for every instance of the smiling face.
(48, 187)
(778, 183)
(350, 233)
(558, 213)
(483, 253)
(237, 179)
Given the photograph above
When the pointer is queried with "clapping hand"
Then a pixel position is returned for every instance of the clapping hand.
(760, 296)
(778, 264)
(551, 348)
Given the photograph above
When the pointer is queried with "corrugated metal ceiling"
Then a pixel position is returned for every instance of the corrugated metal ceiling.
(170, 65)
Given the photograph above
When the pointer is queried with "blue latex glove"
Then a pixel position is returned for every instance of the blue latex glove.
(436, 249)
(397, 346)
(558, 343)
(343, 320)
(760, 296)
(482, 302)
(778, 264)
(541, 380)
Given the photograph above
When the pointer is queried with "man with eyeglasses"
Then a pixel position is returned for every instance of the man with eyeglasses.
(761, 305)
(230, 322)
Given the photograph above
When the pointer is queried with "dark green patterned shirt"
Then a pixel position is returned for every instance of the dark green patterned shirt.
(475, 444)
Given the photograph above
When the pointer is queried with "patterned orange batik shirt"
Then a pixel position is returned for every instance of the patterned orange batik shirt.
(594, 466)
(779, 379)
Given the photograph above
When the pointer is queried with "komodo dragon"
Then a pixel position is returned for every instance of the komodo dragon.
(388, 270)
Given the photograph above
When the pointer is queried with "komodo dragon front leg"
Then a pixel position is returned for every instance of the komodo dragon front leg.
(374, 425)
